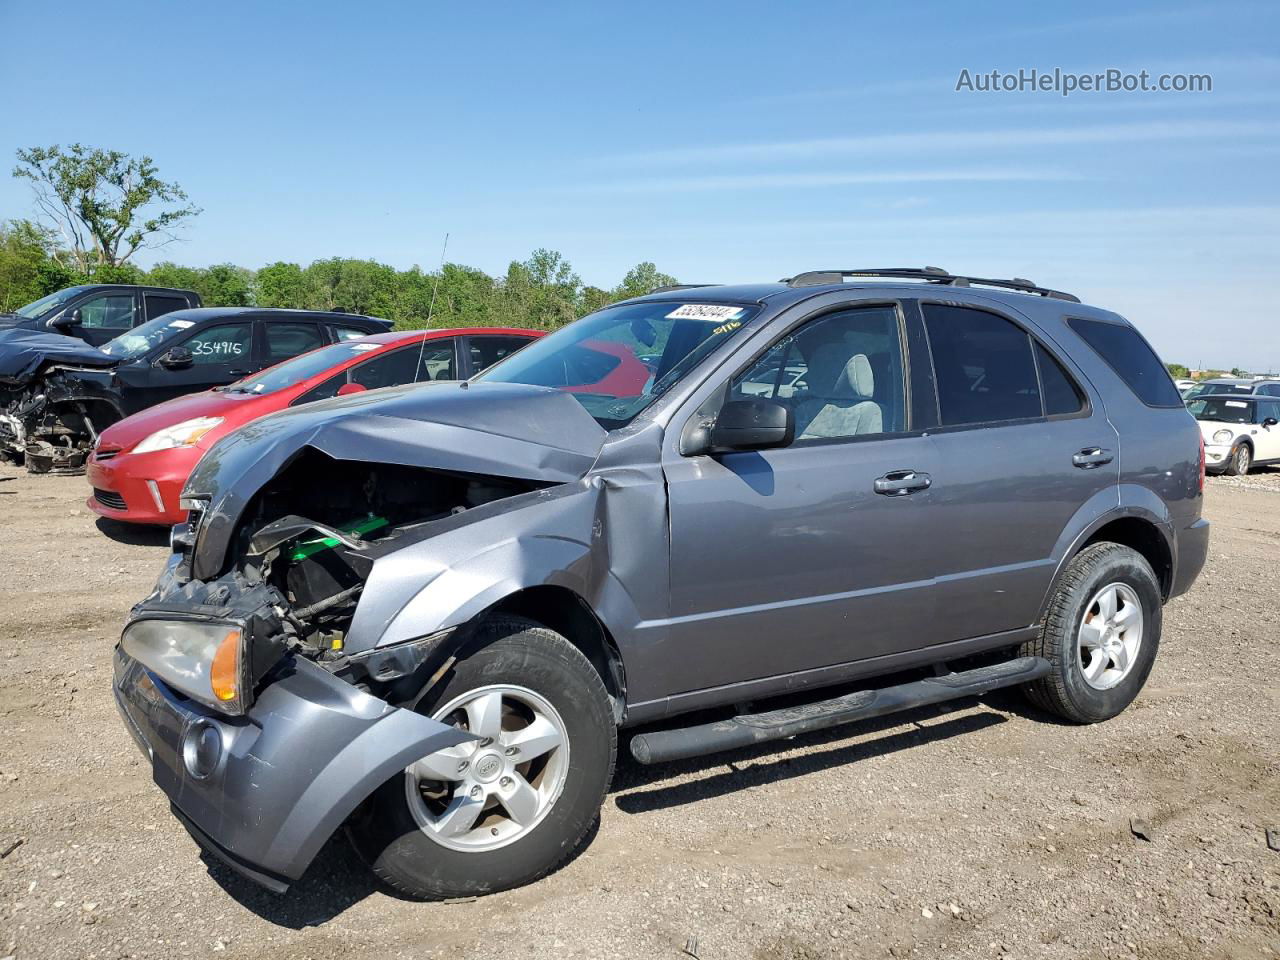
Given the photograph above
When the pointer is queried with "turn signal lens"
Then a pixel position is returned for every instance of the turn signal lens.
(224, 677)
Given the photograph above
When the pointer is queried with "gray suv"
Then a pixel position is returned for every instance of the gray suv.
(425, 612)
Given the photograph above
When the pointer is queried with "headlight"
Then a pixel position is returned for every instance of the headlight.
(185, 434)
(203, 660)
(1223, 436)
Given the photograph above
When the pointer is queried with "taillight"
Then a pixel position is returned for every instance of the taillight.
(1202, 463)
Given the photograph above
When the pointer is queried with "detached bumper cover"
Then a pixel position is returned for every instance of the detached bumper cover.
(288, 773)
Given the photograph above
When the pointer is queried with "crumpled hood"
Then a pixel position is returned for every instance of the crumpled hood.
(22, 352)
(499, 429)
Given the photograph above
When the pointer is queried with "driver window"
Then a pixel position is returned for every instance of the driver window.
(842, 374)
(110, 312)
(226, 343)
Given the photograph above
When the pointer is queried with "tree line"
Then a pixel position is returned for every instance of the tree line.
(96, 208)
(542, 291)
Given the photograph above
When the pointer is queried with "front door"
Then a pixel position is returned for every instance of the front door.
(792, 559)
(1267, 438)
(1022, 447)
(220, 354)
(105, 316)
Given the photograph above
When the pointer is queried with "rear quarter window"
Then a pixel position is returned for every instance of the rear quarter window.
(1133, 360)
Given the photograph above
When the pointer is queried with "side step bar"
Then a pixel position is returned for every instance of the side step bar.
(751, 728)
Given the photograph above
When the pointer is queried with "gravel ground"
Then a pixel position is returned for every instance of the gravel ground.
(978, 830)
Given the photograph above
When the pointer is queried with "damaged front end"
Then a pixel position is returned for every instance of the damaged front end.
(262, 627)
(52, 422)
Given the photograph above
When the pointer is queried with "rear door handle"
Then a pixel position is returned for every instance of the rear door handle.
(899, 483)
(239, 373)
(1091, 457)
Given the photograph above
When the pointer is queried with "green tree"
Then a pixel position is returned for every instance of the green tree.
(25, 249)
(358, 286)
(641, 279)
(1178, 371)
(280, 284)
(105, 205)
(225, 285)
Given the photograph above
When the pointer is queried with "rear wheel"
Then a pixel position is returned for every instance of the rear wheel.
(509, 807)
(1241, 460)
(1101, 633)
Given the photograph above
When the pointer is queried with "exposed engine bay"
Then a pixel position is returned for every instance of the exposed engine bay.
(52, 422)
(303, 546)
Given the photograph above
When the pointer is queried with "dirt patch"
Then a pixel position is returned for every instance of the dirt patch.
(983, 830)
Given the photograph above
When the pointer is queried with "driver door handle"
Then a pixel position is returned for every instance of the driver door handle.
(900, 483)
(1091, 457)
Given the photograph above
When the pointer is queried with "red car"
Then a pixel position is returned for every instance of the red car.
(140, 465)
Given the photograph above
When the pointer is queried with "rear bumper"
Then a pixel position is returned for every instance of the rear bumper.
(1192, 551)
(285, 775)
(138, 480)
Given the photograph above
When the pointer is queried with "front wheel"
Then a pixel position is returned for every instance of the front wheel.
(1241, 460)
(1100, 634)
(509, 807)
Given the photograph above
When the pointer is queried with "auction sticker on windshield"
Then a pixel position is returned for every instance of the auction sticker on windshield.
(705, 311)
(181, 324)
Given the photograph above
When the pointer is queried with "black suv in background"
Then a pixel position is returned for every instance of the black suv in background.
(57, 394)
(98, 312)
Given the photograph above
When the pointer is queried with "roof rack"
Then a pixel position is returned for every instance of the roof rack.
(932, 274)
(680, 286)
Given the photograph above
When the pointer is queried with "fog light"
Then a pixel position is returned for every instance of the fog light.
(202, 749)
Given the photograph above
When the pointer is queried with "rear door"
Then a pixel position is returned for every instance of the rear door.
(1023, 444)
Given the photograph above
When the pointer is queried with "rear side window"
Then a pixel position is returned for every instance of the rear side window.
(158, 305)
(488, 350)
(1133, 361)
(1061, 395)
(288, 340)
(349, 333)
(1269, 389)
(984, 366)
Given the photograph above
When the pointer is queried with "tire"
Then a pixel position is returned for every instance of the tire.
(539, 677)
(1097, 571)
(1241, 460)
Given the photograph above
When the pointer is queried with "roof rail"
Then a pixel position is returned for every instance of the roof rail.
(680, 286)
(932, 274)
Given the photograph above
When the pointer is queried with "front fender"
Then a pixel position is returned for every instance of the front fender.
(553, 537)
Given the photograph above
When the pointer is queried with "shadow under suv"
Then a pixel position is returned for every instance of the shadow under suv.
(425, 612)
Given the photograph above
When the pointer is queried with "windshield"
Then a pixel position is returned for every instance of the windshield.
(1203, 388)
(618, 361)
(1222, 410)
(45, 304)
(300, 368)
(144, 338)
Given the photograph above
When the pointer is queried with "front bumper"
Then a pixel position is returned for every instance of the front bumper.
(286, 774)
(1216, 457)
(137, 481)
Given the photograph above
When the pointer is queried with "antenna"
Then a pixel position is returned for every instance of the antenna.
(431, 307)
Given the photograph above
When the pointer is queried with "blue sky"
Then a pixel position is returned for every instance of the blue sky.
(724, 142)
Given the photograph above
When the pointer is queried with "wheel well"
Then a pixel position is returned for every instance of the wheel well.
(562, 610)
(1144, 537)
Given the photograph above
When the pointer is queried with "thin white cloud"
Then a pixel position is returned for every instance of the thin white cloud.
(769, 181)
(953, 140)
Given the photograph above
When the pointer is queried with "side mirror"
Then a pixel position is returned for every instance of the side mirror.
(1270, 422)
(71, 318)
(347, 389)
(754, 424)
(178, 358)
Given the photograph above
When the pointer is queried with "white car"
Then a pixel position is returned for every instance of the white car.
(1239, 430)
